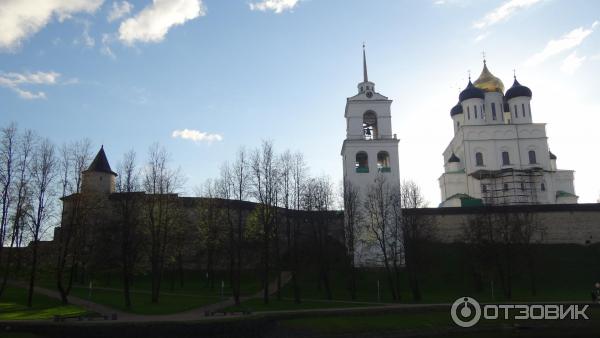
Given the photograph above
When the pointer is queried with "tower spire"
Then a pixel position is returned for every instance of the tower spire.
(365, 75)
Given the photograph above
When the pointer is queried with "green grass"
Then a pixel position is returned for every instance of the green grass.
(141, 301)
(563, 272)
(13, 306)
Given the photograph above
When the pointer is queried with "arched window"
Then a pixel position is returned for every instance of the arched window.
(362, 162)
(475, 107)
(468, 112)
(543, 187)
(516, 111)
(505, 158)
(532, 159)
(370, 125)
(383, 162)
(479, 159)
(523, 107)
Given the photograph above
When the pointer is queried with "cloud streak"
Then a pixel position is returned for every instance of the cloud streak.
(503, 12)
(196, 136)
(566, 42)
(277, 6)
(571, 63)
(153, 22)
(15, 82)
(119, 10)
(21, 19)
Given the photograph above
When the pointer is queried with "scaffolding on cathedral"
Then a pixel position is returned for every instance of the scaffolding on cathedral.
(510, 186)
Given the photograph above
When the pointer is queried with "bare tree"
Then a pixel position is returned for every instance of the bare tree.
(72, 162)
(161, 184)
(298, 176)
(318, 200)
(264, 181)
(209, 221)
(417, 231)
(240, 182)
(128, 218)
(352, 229)
(43, 173)
(381, 220)
(8, 139)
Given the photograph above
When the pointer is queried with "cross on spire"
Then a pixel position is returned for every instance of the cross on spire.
(365, 74)
(483, 54)
(514, 74)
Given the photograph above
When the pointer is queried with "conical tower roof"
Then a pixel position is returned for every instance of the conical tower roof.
(100, 163)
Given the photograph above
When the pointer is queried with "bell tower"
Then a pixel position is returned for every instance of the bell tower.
(370, 148)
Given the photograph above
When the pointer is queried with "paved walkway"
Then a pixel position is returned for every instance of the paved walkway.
(194, 314)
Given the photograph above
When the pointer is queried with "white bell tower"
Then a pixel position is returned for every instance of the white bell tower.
(370, 148)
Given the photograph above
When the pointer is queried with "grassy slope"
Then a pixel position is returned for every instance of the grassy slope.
(12, 306)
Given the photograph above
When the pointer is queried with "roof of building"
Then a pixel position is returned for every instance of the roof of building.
(100, 163)
(517, 90)
(457, 109)
(471, 92)
(488, 82)
(552, 156)
(453, 158)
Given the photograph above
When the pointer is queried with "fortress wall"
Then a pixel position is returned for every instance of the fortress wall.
(563, 223)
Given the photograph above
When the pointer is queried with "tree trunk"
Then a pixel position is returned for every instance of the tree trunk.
(33, 271)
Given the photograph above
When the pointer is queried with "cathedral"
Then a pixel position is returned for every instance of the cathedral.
(498, 155)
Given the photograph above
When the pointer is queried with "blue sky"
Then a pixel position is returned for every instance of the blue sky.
(128, 74)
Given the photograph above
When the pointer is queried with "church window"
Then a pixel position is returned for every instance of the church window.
(522, 186)
(483, 188)
(523, 107)
(505, 158)
(362, 162)
(370, 125)
(457, 124)
(505, 187)
(516, 111)
(475, 107)
(383, 162)
(494, 111)
(543, 187)
(529, 108)
(532, 159)
(468, 112)
(479, 159)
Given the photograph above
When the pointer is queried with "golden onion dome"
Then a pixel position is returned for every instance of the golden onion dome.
(488, 82)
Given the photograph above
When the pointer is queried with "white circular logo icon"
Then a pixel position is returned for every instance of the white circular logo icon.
(465, 312)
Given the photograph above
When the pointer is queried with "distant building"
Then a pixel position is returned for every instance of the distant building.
(498, 155)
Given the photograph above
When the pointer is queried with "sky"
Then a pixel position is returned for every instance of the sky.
(204, 77)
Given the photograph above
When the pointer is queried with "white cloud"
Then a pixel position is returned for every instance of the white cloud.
(196, 135)
(571, 63)
(21, 19)
(119, 10)
(481, 36)
(277, 6)
(503, 12)
(568, 41)
(153, 22)
(86, 39)
(15, 81)
(107, 39)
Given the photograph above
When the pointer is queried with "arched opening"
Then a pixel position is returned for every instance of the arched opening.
(370, 131)
(505, 158)
(479, 159)
(532, 159)
(383, 162)
(362, 162)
